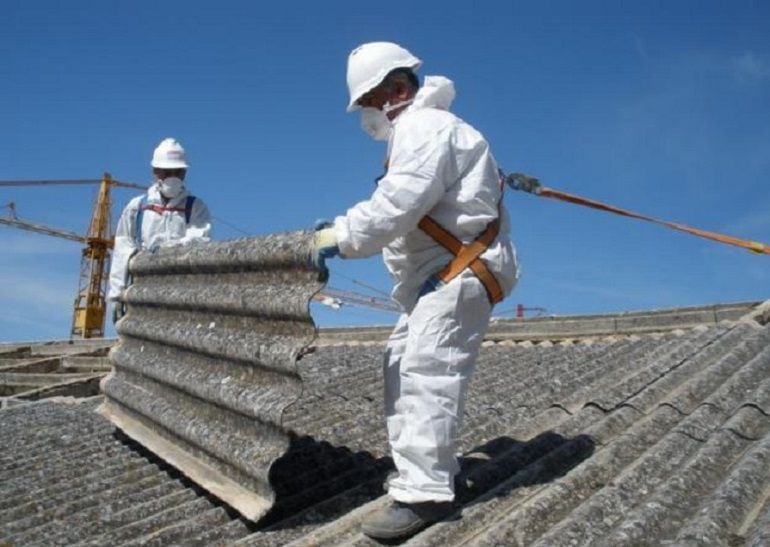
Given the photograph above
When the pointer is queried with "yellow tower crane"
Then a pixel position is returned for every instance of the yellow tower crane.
(90, 303)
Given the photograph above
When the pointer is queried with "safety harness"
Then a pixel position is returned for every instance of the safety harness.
(160, 209)
(468, 256)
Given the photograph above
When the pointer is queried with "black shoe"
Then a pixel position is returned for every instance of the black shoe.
(401, 520)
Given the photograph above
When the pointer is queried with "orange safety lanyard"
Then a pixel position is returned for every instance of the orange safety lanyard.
(753, 246)
(525, 183)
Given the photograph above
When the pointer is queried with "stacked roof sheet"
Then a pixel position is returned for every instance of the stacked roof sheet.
(623, 439)
(206, 362)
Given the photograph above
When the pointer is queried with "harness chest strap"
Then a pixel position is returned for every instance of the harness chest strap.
(160, 209)
(144, 205)
(466, 256)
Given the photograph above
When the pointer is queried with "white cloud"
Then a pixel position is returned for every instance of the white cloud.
(35, 305)
(755, 224)
(35, 325)
(35, 293)
(16, 244)
(623, 293)
(38, 284)
(639, 47)
(749, 67)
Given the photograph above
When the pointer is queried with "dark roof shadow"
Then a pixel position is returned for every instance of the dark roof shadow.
(318, 482)
(504, 464)
(332, 480)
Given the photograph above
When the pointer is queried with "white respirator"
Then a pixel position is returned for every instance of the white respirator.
(171, 187)
(376, 123)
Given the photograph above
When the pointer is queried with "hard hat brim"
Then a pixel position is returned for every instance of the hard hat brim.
(169, 164)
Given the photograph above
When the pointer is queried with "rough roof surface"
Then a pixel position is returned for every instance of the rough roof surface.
(660, 438)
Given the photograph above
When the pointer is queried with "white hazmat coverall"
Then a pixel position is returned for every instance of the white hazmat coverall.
(440, 166)
(160, 228)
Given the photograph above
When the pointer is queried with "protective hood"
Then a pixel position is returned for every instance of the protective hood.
(436, 92)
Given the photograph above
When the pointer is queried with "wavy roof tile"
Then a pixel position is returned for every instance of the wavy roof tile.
(628, 429)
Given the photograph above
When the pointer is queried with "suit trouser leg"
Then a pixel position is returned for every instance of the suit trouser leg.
(430, 359)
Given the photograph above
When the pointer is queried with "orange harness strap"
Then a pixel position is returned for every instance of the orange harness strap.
(160, 209)
(466, 256)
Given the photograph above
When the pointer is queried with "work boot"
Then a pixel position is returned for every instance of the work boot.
(401, 520)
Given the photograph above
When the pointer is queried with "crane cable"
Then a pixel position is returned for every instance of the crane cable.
(531, 185)
(66, 182)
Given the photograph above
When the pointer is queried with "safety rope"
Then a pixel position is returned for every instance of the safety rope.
(525, 183)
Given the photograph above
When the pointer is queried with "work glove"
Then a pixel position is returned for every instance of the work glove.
(525, 183)
(324, 244)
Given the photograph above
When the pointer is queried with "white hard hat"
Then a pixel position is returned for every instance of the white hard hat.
(368, 65)
(169, 155)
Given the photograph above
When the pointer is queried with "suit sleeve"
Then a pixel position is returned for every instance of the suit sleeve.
(418, 172)
(199, 228)
(124, 247)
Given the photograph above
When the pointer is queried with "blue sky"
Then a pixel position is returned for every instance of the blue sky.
(659, 107)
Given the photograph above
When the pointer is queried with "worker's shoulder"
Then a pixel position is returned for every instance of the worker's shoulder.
(435, 121)
(428, 118)
(424, 125)
(134, 203)
(431, 124)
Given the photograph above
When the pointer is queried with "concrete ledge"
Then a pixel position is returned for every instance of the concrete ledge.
(556, 328)
(87, 386)
(571, 327)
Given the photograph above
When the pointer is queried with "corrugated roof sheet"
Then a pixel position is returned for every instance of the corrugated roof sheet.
(647, 439)
(206, 362)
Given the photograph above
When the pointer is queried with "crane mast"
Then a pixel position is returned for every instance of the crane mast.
(91, 300)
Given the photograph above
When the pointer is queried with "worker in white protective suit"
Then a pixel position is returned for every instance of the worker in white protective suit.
(437, 217)
(166, 215)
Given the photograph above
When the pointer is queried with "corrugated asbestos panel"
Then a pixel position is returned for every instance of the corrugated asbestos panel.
(206, 362)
